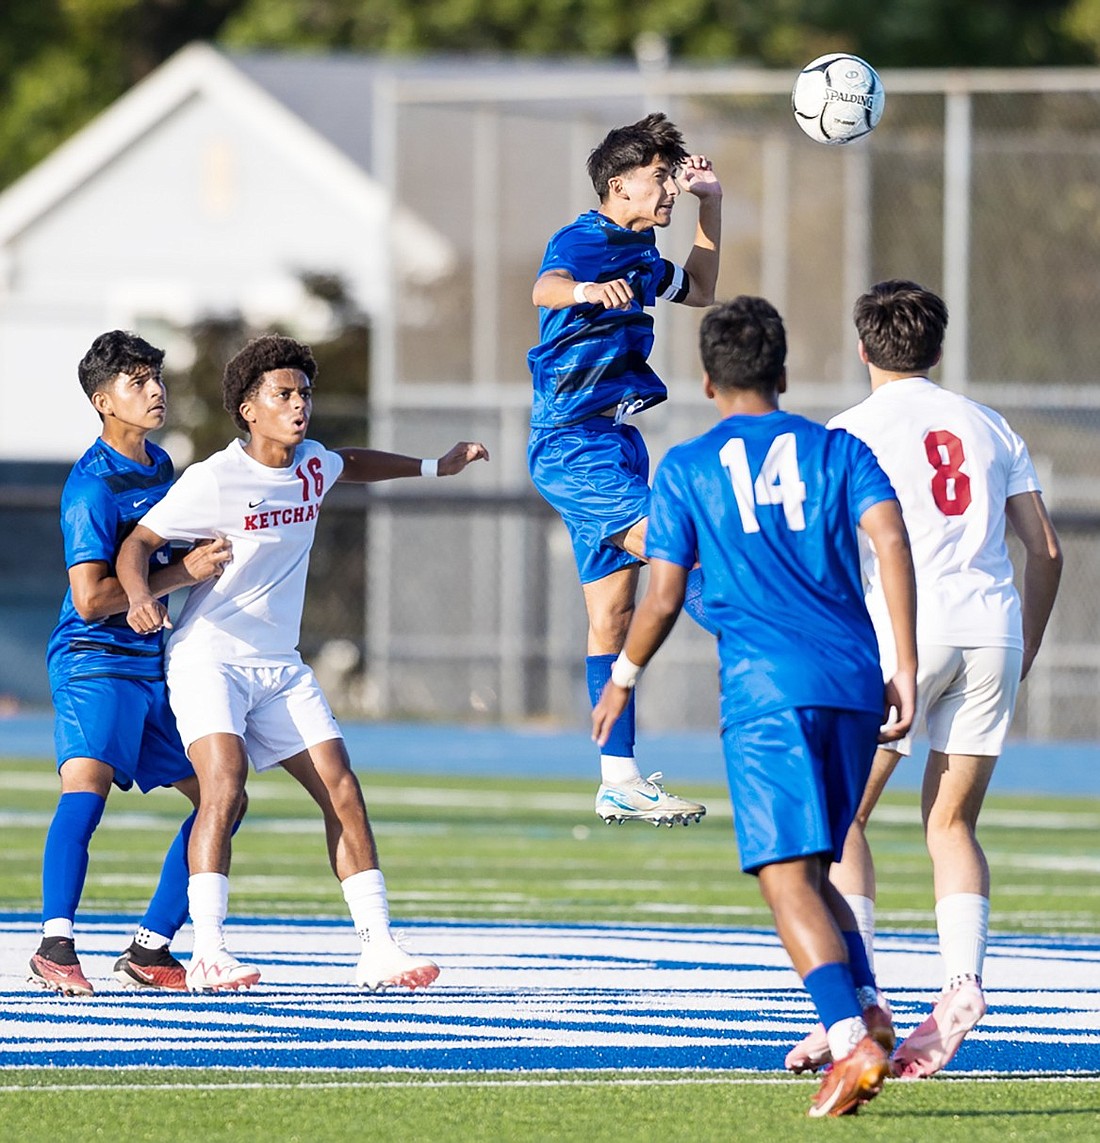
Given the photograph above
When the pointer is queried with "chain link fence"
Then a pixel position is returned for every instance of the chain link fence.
(458, 599)
(983, 186)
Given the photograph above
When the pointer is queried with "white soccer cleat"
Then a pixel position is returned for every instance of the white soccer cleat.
(384, 964)
(220, 972)
(645, 799)
(932, 1044)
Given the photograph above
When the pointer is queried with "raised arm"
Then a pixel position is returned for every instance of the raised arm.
(367, 465)
(653, 620)
(883, 524)
(697, 177)
(1028, 517)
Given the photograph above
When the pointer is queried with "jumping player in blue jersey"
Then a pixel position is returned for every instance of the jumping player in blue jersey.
(113, 725)
(769, 505)
(591, 373)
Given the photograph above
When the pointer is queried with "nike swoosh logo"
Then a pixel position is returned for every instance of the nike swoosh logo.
(255, 503)
(138, 503)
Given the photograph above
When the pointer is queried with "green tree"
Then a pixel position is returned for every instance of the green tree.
(63, 61)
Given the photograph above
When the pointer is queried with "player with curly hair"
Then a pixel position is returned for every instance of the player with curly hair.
(237, 683)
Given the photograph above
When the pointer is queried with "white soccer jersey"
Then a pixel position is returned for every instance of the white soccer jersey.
(251, 615)
(953, 464)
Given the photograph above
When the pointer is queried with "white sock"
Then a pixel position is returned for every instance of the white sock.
(58, 927)
(844, 1035)
(147, 939)
(365, 894)
(208, 904)
(615, 771)
(962, 920)
(863, 909)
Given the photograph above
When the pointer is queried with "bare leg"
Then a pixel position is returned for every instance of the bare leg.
(854, 874)
(610, 606)
(221, 767)
(951, 799)
(325, 772)
(804, 920)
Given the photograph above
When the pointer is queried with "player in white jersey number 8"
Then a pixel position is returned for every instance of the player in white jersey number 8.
(960, 473)
(237, 684)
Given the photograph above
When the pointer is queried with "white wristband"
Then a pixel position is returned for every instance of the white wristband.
(578, 292)
(624, 673)
(429, 467)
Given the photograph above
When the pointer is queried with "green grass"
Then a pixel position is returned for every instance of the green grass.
(503, 849)
(290, 1107)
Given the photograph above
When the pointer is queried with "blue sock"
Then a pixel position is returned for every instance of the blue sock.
(65, 857)
(862, 976)
(620, 744)
(833, 993)
(693, 601)
(167, 911)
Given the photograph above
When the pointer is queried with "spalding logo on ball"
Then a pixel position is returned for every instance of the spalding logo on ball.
(837, 98)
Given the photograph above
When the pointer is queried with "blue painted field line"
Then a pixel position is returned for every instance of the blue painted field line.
(523, 997)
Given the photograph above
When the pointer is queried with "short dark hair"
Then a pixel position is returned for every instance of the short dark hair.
(626, 148)
(245, 370)
(901, 325)
(743, 345)
(113, 353)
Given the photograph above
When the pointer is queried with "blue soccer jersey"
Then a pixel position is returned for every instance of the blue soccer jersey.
(590, 359)
(105, 495)
(770, 505)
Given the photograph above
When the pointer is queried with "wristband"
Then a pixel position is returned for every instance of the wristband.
(624, 673)
(429, 467)
(578, 293)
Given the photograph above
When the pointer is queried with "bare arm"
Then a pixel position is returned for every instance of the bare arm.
(555, 291)
(366, 465)
(653, 620)
(146, 614)
(699, 179)
(98, 594)
(883, 524)
(1027, 514)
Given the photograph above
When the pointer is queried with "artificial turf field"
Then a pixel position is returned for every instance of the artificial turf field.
(598, 983)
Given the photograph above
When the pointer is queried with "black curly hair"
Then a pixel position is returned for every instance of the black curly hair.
(245, 370)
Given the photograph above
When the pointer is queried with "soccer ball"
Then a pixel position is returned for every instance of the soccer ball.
(837, 98)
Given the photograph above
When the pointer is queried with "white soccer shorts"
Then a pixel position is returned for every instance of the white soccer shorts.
(277, 711)
(965, 698)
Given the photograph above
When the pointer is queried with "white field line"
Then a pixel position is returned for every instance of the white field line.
(208, 1084)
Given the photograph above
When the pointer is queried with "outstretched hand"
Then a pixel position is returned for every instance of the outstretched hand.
(455, 460)
(697, 177)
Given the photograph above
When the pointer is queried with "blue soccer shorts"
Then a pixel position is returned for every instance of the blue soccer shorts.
(126, 723)
(796, 777)
(595, 475)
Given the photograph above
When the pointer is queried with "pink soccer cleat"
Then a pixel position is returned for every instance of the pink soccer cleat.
(932, 1045)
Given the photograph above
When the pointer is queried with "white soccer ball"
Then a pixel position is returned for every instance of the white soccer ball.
(837, 98)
